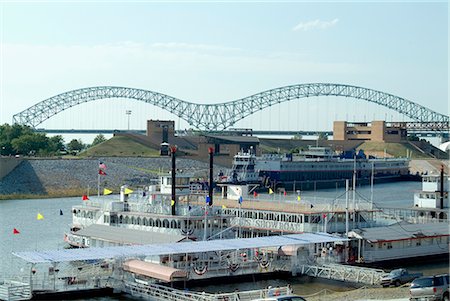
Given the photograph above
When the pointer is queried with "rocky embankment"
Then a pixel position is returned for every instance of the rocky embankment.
(63, 177)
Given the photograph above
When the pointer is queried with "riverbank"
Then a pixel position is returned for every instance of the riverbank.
(52, 178)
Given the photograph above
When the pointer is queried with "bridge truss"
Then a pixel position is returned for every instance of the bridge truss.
(224, 115)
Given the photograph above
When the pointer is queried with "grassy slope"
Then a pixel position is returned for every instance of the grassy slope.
(393, 149)
(120, 146)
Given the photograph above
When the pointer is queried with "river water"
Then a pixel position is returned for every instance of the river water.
(47, 234)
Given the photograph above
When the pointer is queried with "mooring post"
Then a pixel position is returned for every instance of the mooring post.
(173, 201)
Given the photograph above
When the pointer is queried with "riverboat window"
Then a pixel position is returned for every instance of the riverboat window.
(389, 245)
(315, 219)
(165, 224)
(418, 242)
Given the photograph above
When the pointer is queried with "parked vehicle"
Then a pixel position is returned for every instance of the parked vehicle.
(398, 277)
(435, 288)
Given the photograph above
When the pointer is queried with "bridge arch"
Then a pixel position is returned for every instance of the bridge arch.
(224, 115)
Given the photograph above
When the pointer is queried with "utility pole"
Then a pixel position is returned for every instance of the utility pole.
(128, 112)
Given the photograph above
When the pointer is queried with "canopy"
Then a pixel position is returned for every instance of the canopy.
(175, 248)
(154, 270)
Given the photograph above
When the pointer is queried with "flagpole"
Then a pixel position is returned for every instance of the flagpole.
(98, 185)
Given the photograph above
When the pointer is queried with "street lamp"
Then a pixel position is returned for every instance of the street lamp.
(128, 112)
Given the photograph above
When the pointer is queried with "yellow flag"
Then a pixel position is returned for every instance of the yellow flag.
(298, 198)
(39, 216)
(224, 207)
(106, 191)
(172, 202)
(128, 191)
(270, 191)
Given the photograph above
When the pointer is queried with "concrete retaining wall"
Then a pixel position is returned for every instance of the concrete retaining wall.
(7, 164)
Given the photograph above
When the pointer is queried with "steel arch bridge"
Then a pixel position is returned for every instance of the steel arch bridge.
(224, 115)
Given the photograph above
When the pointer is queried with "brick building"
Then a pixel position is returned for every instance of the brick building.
(380, 131)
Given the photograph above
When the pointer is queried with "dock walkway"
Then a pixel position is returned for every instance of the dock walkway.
(341, 272)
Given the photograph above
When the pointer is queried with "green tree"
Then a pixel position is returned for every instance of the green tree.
(56, 144)
(75, 145)
(98, 139)
(8, 133)
(322, 136)
(30, 144)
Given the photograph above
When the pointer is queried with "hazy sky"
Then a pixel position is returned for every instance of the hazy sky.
(215, 52)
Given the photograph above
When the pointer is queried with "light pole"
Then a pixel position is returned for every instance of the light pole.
(128, 112)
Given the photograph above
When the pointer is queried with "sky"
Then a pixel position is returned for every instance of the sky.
(212, 52)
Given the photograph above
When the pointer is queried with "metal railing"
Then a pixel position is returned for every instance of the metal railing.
(341, 272)
(160, 292)
(15, 290)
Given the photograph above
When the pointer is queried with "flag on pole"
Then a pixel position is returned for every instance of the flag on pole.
(128, 191)
(60, 212)
(224, 207)
(324, 215)
(106, 191)
(255, 194)
(299, 198)
(270, 191)
(172, 203)
(15, 231)
(285, 193)
(101, 172)
(240, 199)
(39, 216)
(208, 199)
(84, 197)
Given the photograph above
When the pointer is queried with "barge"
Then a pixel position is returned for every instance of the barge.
(316, 167)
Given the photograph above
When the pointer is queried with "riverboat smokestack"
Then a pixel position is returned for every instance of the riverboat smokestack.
(442, 187)
(211, 170)
(173, 200)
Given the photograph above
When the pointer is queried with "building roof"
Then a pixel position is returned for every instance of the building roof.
(400, 232)
(67, 255)
(234, 139)
(127, 236)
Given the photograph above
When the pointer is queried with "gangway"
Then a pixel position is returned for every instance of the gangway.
(15, 290)
(341, 272)
(163, 293)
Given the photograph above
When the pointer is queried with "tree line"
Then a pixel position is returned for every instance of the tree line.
(23, 140)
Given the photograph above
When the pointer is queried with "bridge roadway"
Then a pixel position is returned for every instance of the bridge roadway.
(417, 133)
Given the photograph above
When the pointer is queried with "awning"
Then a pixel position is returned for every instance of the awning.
(176, 248)
(154, 270)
